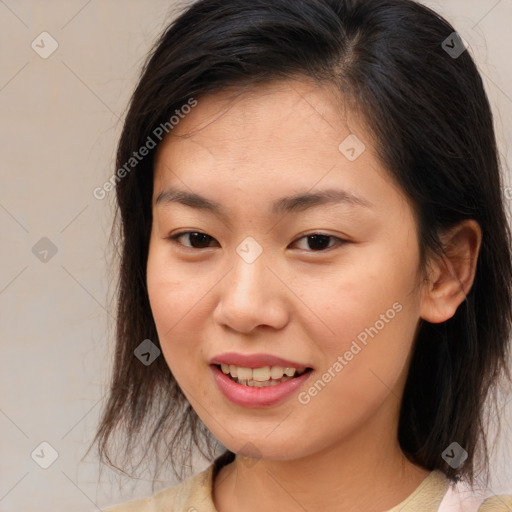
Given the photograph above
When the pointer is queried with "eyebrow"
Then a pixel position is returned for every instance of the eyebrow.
(295, 203)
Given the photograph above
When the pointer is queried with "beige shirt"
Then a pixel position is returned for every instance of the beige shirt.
(195, 495)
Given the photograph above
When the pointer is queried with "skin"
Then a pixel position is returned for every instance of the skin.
(338, 452)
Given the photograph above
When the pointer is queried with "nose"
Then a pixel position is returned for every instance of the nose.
(251, 296)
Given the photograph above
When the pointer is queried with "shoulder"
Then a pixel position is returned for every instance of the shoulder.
(194, 490)
(461, 498)
(501, 503)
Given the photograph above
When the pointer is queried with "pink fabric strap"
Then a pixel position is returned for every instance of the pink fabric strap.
(459, 498)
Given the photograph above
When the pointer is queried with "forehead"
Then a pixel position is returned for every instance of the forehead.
(293, 119)
(276, 137)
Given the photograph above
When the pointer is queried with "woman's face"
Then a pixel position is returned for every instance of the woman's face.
(345, 303)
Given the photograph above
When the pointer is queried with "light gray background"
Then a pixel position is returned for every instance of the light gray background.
(60, 120)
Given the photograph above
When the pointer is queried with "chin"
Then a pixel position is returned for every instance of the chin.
(263, 448)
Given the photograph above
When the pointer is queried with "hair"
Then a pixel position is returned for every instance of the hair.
(432, 128)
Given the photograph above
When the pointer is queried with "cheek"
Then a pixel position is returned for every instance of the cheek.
(365, 325)
(176, 291)
(175, 301)
(362, 368)
(369, 291)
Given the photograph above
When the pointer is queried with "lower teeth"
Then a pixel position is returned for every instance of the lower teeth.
(258, 384)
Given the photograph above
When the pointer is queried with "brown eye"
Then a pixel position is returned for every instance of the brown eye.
(317, 242)
(197, 239)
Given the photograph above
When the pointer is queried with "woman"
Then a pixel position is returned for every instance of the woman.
(315, 260)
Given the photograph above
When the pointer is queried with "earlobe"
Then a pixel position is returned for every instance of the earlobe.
(451, 276)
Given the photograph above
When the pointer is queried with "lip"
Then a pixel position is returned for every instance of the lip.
(253, 397)
(255, 360)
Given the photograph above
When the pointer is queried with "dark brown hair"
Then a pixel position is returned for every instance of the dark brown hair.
(432, 128)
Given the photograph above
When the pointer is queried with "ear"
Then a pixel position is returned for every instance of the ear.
(451, 276)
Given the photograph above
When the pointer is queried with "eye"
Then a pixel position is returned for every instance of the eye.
(198, 240)
(319, 242)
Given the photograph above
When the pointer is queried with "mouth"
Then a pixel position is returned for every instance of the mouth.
(265, 376)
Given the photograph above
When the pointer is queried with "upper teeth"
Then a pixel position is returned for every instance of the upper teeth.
(260, 374)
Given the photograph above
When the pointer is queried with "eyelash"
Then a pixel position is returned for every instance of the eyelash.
(175, 237)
